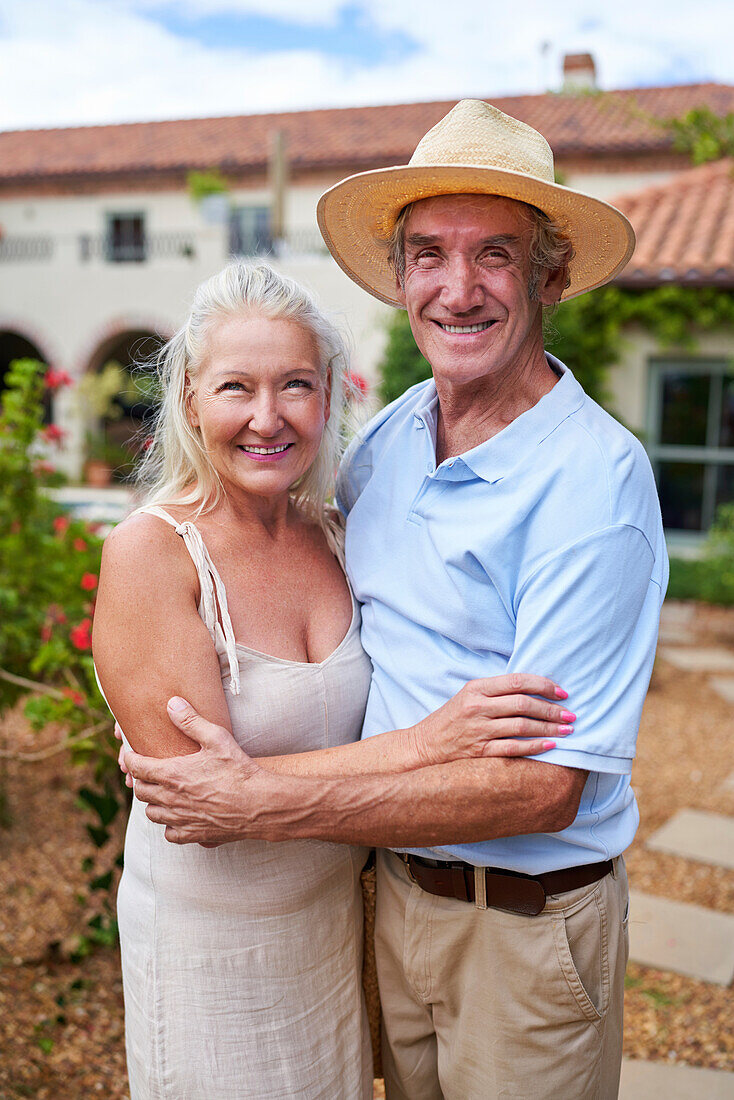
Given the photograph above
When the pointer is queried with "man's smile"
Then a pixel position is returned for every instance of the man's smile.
(461, 330)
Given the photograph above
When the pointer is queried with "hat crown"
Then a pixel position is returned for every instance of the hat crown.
(477, 134)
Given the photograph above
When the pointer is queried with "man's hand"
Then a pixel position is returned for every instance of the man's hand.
(207, 797)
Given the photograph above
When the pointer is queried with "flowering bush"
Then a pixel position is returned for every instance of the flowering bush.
(49, 565)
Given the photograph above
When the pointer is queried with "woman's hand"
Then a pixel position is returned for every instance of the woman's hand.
(498, 716)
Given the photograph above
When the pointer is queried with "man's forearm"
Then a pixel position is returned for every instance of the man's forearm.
(459, 802)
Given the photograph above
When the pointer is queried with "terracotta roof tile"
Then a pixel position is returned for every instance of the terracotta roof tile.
(684, 228)
(618, 122)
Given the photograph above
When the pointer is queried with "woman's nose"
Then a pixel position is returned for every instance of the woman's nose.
(265, 417)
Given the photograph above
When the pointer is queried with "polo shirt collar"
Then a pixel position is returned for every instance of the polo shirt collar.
(498, 456)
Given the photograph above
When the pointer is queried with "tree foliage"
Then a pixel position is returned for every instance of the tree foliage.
(702, 135)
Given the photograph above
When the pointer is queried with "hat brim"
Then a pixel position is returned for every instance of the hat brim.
(357, 216)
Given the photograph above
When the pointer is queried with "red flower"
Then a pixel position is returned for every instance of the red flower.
(43, 468)
(61, 525)
(52, 433)
(55, 379)
(89, 582)
(56, 613)
(147, 443)
(80, 545)
(46, 632)
(93, 528)
(81, 637)
(76, 696)
(356, 382)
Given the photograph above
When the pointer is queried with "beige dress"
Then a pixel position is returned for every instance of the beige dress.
(242, 964)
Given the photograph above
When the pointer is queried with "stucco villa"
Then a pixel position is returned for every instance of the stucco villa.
(102, 244)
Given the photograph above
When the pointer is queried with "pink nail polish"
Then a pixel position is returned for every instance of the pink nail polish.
(563, 730)
(561, 694)
(548, 745)
(567, 716)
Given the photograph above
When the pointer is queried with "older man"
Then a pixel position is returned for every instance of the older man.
(497, 520)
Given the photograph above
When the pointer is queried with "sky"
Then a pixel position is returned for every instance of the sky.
(81, 62)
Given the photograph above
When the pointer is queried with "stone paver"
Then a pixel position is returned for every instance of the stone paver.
(676, 620)
(672, 935)
(675, 635)
(675, 613)
(642, 1080)
(695, 834)
(723, 686)
(699, 659)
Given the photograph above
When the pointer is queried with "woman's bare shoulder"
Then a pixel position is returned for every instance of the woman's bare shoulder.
(147, 548)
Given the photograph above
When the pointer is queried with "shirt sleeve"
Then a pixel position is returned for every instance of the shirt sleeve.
(588, 618)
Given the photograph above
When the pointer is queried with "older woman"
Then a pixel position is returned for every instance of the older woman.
(241, 964)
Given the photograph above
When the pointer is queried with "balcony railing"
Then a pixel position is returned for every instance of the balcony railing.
(300, 242)
(22, 249)
(175, 245)
(166, 246)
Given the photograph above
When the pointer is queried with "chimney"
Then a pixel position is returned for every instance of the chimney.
(579, 72)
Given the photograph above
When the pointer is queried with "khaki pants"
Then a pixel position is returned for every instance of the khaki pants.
(481, 1005)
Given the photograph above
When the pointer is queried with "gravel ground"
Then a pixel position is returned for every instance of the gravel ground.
(61, 1035)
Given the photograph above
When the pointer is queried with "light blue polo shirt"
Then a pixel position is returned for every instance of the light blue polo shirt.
(542, 551)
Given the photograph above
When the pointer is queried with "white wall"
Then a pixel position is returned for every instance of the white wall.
(69, 307)
(609, 185)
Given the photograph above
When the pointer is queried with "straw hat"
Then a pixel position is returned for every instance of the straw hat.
(475, 149)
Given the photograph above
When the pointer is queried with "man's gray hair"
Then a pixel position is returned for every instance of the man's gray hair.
(550, 249)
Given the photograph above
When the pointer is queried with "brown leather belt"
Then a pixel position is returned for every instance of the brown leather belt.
(493, 888)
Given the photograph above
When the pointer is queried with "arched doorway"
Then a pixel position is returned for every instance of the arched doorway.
(121, 383)
(15, 346)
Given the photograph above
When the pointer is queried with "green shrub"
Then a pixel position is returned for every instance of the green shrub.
(49, 568)
(711, 577)
(402, 364)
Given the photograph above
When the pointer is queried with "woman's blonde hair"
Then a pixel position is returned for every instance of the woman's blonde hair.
(176, 467)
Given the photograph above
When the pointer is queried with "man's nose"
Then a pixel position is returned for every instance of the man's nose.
(265, 416)
(462, 289)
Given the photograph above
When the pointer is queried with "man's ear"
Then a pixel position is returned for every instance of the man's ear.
(552, 285)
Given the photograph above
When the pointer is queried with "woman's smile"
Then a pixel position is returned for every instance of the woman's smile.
(264, 454)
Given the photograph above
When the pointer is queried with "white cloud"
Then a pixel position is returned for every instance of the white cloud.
(79, 61)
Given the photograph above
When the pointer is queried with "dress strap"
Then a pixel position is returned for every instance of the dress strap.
(214, 610)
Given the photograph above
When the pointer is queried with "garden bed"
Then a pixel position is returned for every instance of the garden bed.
(61, 1029)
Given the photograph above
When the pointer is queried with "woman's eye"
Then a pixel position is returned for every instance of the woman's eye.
(296, 383)
(231, 385)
